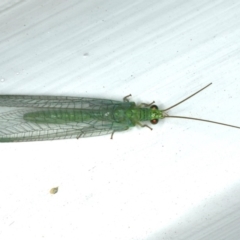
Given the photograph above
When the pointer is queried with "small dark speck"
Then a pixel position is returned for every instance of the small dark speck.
(54, 190)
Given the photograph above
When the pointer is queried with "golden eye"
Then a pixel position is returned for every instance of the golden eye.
(154, 121)
(154, 107)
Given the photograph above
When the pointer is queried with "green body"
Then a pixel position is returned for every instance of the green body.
(128, 117)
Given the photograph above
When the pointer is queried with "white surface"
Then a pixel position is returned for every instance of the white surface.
(179, 181)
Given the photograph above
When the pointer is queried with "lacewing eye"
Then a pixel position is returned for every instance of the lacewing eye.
(154, 107)
(154, 121)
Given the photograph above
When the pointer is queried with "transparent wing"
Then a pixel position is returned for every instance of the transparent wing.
(13, 128)
(56, 102)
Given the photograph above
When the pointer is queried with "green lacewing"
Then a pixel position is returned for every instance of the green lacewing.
(37, 118)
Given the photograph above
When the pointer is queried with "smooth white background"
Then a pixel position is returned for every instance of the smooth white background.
(179, 181)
